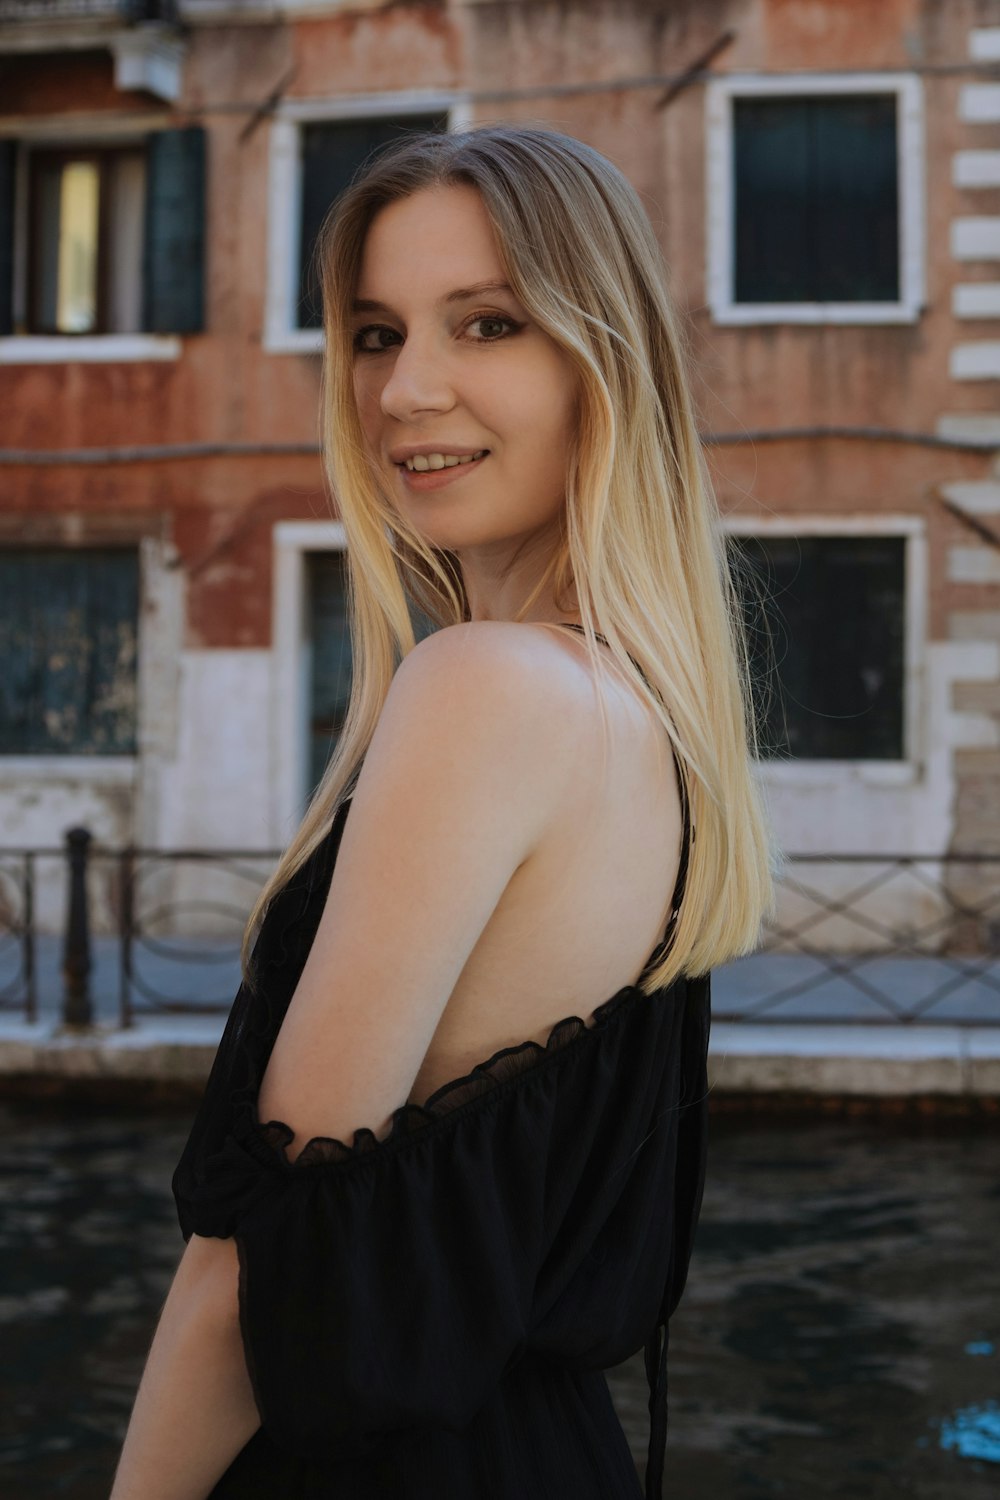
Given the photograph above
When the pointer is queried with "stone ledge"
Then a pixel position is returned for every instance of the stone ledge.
(885, 1061)
(978, 359)
(973, 426)
(977, 626)
(45, 1051)
(806, 1060)
(976, 697)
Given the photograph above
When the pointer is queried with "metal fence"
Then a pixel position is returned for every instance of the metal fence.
(155, 925)
(876, 938)
(865, 938)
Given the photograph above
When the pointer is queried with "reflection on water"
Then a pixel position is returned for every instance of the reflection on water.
(838, 1335)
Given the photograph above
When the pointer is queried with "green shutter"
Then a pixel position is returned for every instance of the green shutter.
(8, 160)
(174, 250)
(774, 246)
(853, 150)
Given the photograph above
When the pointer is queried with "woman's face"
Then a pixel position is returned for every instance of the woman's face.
(448, 370)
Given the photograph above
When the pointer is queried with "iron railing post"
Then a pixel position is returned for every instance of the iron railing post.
(31, 991)
(77, 1009)
(127, 922)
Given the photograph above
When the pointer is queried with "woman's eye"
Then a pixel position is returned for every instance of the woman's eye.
(362, 333)
(496, 320)
(364, 344)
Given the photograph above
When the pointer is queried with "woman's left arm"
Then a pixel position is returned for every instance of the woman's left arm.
(194, 1409)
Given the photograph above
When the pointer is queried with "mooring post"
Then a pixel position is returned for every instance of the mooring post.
(76, 948)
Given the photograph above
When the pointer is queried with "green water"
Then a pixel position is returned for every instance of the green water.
(839, 1336)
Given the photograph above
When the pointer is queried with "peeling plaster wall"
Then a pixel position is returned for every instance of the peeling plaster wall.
(215, 792)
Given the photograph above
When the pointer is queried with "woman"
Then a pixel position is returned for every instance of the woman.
(425, 1208)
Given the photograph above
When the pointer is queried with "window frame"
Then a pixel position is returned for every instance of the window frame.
(720, 206)
(60, 348)
(817, 771)
(281, 335)
(291, 663)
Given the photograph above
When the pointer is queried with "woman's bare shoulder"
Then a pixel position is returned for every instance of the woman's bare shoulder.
(521, 673)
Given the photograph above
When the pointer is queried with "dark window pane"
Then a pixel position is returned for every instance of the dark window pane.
(332, 152)
(825, 617)
(773, 222)
(816, 199)
(331, 664)
(68, 632)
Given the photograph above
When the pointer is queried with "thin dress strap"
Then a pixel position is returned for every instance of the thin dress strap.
(657, 1344)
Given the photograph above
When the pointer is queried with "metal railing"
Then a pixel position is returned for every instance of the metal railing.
(865, 938)
(137, 921)
(17, 931)
(877, 938)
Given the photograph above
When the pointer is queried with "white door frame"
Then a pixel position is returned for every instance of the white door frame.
(291, 660)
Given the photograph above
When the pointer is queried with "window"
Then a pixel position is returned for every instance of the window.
(317, 148)
(826, 626)
(84, 252)
(815, 199)
(331, 663)
(102, 238)
(69, 626)
(331, 152)
(330, 657)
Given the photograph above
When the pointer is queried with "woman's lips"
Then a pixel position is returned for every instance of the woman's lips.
(435, 479)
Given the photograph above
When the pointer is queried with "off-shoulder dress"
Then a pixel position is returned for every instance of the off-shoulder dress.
(429, 1315)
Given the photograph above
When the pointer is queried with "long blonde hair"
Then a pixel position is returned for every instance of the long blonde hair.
(640, 537)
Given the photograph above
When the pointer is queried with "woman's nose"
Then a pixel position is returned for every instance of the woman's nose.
(418, 381)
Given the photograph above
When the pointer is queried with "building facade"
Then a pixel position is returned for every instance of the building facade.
(824, 178)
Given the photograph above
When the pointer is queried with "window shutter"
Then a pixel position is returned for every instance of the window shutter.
(8, 159)
(774, 244)
(68, 641)
(816, 198)
(174, 248)
(857, 209)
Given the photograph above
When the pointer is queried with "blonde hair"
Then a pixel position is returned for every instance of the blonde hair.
(640, 537)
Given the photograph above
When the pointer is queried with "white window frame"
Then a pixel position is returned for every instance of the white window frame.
(721, 205)
(44, 348)
(824, 772)
(281, 336)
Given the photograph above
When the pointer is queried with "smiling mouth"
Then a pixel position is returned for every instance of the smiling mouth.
(434, 463)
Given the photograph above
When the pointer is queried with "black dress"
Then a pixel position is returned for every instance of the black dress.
(429, 1316)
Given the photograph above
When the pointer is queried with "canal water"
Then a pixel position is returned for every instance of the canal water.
(839, 1336)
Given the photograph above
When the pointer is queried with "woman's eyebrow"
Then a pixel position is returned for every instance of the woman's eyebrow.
(365, 304)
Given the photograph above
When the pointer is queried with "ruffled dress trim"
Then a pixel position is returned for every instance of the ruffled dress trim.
(232, 1174)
